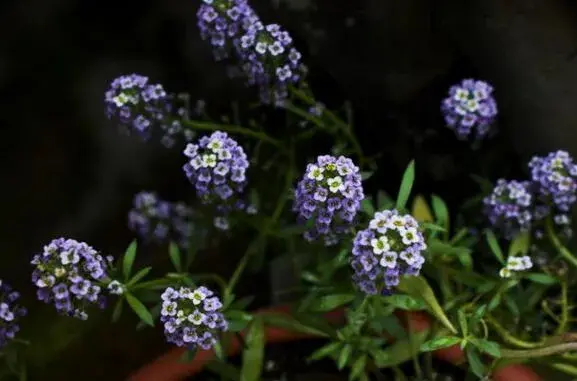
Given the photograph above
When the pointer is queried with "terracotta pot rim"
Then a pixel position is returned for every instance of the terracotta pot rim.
(168, 366)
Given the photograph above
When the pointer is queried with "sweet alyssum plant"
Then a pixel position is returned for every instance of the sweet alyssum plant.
(368, 255)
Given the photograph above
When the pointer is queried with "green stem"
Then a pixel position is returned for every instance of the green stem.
(564, 319)
(565, 368)
(264, 232)
(508, 337)
(563, 251)
(539, 352)
(232, 129)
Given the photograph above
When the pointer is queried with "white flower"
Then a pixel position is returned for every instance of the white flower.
(380, 245)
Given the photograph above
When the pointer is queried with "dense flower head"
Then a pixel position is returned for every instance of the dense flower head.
(10, 313)
(216, 167)
(510, 207)
(470, 109)
(67, 274)
(144, 108)
(555, 177)
(270, 61)
(223, 22)
(515, 264)
(330, 195)
(391, 246)
(159, 220)
(192, 317)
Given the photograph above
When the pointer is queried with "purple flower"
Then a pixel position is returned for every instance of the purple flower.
(330, 195)
(67, 274)
(223, 22)
(158, 220)
(510, 207)
(390, 247)
(555, 177)
(470, 109)
(270, 61)
(192, 317)
(217, 168)
(10, 314)
(139, 107)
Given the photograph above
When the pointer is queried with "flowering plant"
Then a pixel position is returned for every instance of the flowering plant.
(358, 250)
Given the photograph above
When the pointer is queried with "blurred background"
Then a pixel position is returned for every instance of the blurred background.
(67, 172)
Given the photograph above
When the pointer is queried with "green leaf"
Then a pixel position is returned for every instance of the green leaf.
(406, 302)
(400, 351)
(139, 309)
(253, 355)
(477, 316)
(128, 259)
(367, 206)
(225, 370)
(433, 227)
(406, 186)
(520, 244)
(237, 320)
(494, 245)
(117, 310)
(541, 278)
(329, 349)
(188, 355)
(417, 286)
(344, 355)
(463, 322)
(440, 342)
(289, 322)
(389, 324)
(420, 210)
(441, 211)
(487, 346)
(358, 368)
(175, 258)
(475, 363)
(138, 276)
(155, 312)
(331, 302)
(241, 303)
(365, 175)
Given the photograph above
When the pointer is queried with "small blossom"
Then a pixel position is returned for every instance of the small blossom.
(116, 288)
(470, 109)
(192, 317)
(10, 314)
(270, 61)
(555, 177)
(139, 107)
(390, 247)
(330, 194)
(514, 265)
(216, 166)
(510, 207)
(67, 274)
(158, 220)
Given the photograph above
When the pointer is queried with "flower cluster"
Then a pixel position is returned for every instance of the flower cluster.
(390, 247)
(223, 22)
(555, 177)
(9, 313)
(470, 109)
(139, 106)
(510, 207)
(192, 317)
(67, 274)
(158, 220)
(216, 167)
(515, 264)
(270, 61)
(330, 194)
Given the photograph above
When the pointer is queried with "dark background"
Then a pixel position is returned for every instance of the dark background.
(66, 171)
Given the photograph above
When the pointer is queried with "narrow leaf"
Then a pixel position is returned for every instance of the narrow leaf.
(475, 363)
(417, 286)
(138, 276)
(175, 258)
(139, 309)
(520, 244)
(117, 310)
(541, 278)
(128, 259)
(325, 351)
(358, 368)
(343, 359)
(487, 346)
(406, 302)
(290, 323)
(400, 351)
(440, 342)
(367, 206)
(441, 211)
(331, 302)
(421, 210)
(494, 246)
(406, 186)
(253, 355)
